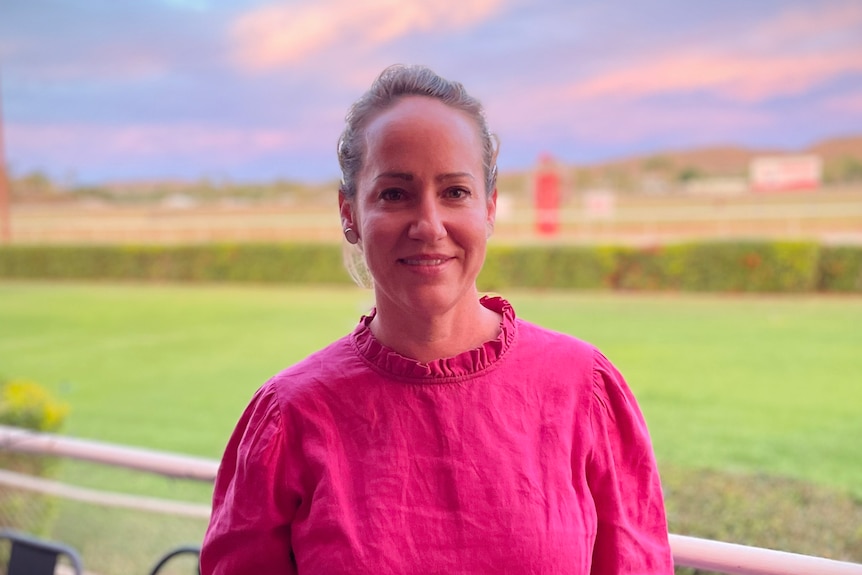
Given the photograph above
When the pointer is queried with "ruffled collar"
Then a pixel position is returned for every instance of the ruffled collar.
(445, 370)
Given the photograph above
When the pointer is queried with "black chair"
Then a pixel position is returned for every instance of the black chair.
(182, 550)
(30, 555)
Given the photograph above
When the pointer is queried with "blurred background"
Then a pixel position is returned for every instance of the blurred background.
(220, 119)
(680, 183)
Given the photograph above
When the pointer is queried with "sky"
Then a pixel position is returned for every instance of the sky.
(96, 91)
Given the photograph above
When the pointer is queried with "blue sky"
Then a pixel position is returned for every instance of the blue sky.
(105, 90)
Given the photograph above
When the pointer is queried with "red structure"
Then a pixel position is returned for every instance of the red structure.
(547, 196)
(5, 199)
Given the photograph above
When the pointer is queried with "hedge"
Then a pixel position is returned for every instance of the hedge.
(840, 269)
(731, 266)
(286, 263)
(724, 267)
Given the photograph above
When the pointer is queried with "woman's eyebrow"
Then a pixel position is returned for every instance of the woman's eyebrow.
(395, 175)
(454, 176)
(408, 177)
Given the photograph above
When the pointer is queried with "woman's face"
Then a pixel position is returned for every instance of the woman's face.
(420, 209)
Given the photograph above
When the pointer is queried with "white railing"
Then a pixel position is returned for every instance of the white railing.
(158, 462)
(687, 551)
(744, 560)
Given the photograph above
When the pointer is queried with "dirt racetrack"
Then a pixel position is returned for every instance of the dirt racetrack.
(832, 216)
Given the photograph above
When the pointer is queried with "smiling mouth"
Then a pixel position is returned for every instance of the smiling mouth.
(423, 261)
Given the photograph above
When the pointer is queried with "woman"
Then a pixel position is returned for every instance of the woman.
(443, 435)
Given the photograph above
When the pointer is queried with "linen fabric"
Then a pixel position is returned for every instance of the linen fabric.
(526, 455)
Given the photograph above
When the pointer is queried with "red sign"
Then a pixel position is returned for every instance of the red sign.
(547, 197)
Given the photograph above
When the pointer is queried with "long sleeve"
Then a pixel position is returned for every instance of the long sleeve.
(253, 505)
(631, 535)
(527, 455)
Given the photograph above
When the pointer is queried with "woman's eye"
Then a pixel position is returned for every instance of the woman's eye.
(458, 193)
(391, 194)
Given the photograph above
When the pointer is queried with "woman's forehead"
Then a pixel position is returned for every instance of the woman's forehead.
(421, 136)
(414, 113)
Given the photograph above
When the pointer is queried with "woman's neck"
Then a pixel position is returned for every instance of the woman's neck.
(436, 336)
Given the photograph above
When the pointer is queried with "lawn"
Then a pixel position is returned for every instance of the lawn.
(756, 384)
(761, 384)
(760, 387)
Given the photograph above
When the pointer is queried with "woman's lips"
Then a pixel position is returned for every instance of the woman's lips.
(434, 260)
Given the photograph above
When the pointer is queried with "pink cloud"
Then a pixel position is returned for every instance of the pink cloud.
(745, 78)
(68, 143)
(791, 53)
(278, 35)
(811, 26)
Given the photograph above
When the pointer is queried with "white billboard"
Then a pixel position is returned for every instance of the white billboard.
(785, 173)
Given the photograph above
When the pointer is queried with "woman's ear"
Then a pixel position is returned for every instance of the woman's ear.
(348, 221)
(345, 208)
(491, 216)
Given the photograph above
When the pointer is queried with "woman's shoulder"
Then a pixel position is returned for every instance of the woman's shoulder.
(322, 366)
(564, 352)
(546, 341)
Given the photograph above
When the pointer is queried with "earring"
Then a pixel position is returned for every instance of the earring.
(351, 236)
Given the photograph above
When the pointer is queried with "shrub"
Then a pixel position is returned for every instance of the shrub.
(738, 266)
(297, 263)
(719, 267)
(554, 266)
(744, 266)
(26, 404)
(840, 269)
(643, 269)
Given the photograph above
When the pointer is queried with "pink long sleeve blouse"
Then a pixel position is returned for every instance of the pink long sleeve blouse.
(525, 455)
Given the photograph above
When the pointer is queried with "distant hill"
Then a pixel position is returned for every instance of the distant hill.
(837, 148)
(842, 160)
(664, 171)
(727, 160)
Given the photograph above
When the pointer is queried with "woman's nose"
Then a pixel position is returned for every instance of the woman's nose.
(428, 223)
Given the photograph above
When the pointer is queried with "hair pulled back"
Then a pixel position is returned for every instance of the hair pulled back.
(394, 83)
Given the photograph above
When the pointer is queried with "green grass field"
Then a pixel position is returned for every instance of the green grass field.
(764, 384)
(763, 387)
